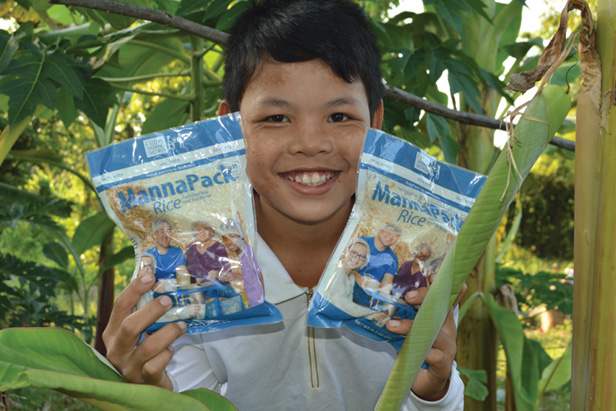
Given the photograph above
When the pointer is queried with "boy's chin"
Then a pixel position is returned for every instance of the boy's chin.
(315, 215)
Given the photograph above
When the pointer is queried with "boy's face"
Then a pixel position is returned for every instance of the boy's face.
(304, 128)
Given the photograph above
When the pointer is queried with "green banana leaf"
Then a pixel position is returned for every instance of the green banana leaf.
(522, 363)
(57, 359)
(558, 373)
(534, 130)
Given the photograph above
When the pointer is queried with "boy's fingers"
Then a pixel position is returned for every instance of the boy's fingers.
(132, 326)
(158, 342)
(121, 341)
(439, 362)
(401, 327)
(151, 356)
(153, 370)
(127, 300)
(416, 296)
(431, 385)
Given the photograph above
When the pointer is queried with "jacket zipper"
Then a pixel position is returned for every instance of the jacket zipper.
(312, 347)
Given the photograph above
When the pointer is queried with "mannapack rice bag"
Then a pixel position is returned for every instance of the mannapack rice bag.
(185, 201)
(408, 210)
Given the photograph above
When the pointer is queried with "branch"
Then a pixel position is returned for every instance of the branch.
(460, 116)
(155, 16)
(219, 37)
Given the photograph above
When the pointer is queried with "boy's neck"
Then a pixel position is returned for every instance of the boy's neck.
(303, 249)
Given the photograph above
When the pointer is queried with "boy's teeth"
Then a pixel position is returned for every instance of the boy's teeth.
(311, 179)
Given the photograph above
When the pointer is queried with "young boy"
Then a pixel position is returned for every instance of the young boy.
(305, 77)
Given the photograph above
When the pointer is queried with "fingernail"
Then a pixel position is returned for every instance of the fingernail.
(181, 324)
(394, 323)
(165, 301)
(412, 294)
(148, 278)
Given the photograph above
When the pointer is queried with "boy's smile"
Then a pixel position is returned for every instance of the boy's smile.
(309, 178)
(304, 129)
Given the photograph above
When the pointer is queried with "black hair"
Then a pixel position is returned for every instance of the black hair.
(335, 31)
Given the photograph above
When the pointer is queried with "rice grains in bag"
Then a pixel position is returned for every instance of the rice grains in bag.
(408, 210)
(185, 201)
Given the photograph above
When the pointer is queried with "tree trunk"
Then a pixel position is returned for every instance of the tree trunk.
(105, 294)
(477, 348)
(594, 359)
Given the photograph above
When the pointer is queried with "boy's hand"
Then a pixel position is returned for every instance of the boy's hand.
(432, 384)
(142, 363)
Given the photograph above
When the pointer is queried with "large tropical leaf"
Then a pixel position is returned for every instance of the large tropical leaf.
(143, 55)
(522, 364)
(557, 373)
(20, 205)
(45, 280)
(57, 359)
(8, 46)
(56, 253)
(96, 100)
(124, 254)
(550, 108)
(475, 383)
(117, 21)
(36, 77)
(92, 231)
(167, 114)
(44, 156)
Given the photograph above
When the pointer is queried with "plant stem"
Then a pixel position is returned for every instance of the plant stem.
(152, 93)
(196, 76)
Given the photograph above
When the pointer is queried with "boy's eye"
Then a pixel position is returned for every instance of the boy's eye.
(338, 117)
(278, 118)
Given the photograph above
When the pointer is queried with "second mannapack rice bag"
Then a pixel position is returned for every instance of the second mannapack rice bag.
(408, 210)
(185, 201)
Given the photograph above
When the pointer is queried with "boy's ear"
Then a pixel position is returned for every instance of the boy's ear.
(224, 108)
(377, 118)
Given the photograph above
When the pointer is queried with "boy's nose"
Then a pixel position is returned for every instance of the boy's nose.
(310, 141)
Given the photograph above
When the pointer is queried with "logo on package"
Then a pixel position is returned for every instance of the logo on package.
(155, 146)
(427, 165)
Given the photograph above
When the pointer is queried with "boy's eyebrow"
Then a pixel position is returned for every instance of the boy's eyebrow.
(278, 102)
(343, 101)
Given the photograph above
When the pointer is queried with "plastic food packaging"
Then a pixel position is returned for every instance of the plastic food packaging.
(185, 201)
(408, 210)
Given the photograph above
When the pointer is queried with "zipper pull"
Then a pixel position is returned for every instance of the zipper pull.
(309, 294)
